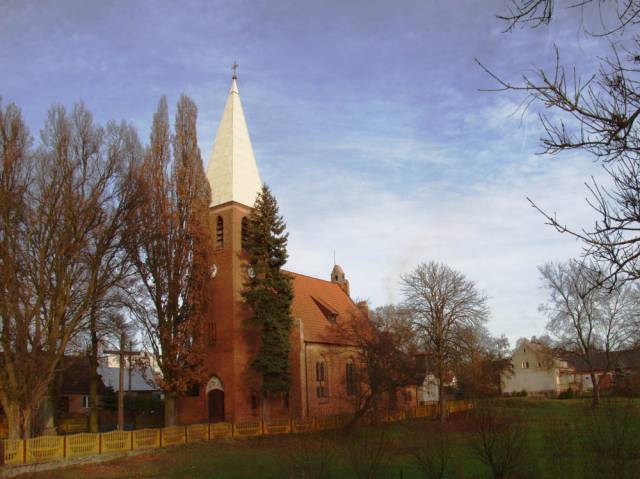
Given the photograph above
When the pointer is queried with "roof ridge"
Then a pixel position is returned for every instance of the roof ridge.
(309, 276)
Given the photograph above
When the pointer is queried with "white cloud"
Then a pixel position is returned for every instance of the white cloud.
(487, 230)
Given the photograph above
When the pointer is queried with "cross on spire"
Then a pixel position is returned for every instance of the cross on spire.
(235, 70)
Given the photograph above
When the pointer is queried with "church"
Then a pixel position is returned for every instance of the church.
(322, 362)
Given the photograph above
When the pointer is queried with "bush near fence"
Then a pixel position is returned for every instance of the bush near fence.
(52, 448)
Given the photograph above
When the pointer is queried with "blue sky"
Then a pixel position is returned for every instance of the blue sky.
(365, 118)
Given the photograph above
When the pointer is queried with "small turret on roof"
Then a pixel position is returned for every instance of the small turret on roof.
(338, 277)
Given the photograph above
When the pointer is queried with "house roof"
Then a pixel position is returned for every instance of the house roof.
(322, 307)
(76, 376)
(140, 379)
(627, 359)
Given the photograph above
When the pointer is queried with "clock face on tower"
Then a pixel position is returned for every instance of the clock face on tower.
(214, 271)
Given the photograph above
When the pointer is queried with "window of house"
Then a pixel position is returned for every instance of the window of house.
(285, 400)
(321, 379)
(254, 401)
(525, 364)
(85, 402)
(539, 364)
(244, 232)
(219, 232)
(350, 378)
(211, 333)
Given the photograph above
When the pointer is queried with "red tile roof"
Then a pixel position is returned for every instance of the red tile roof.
(311, 296)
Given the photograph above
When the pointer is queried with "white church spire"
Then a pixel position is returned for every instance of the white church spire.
(232, 171)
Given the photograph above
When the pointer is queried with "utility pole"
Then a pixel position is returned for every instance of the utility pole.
(122, 353)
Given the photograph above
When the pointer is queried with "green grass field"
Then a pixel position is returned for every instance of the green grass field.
(285, 456)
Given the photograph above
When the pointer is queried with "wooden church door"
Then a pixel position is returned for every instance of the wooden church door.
(216, 405)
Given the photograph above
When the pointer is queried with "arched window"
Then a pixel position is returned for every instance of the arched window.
(350, 378)
(244, 232)
(219, 232)
(321, 379)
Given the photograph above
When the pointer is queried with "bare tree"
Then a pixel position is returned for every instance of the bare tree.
(597, 114)
(54, 205)
(382, 364)
(610, 439)
(480, 372)
(498, 441)
(369, 452)
(170, 245)
(432, 449)
(447, 309)
(587, 319)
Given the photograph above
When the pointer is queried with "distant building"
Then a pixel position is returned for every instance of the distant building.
(540, 371)
(76, 378)
(113, 361)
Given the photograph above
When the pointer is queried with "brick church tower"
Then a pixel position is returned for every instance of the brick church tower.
(235, 183)
(322, 360)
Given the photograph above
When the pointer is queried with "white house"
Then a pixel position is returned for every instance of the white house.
(540, 372)
(536, 371)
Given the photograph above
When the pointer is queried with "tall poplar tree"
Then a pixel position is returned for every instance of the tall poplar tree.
(170, 244)
(269, 292)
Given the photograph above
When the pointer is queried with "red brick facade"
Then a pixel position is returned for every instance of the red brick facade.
(232, 342)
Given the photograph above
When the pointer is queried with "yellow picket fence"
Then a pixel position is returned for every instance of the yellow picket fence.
(45, 449)
(247, 428)
(84, 444)
(173, 435)
(220, 430)
(51, 448)
(303, 425)
(13, 452)
(115, 441)
(146, 439)
(197, 432)
(277, 426)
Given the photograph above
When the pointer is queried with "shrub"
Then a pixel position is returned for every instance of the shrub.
(610, 440)
(568, 394)
(499, 442)
(368, 452)
(559, 441)
(309, 456)
(431, 449)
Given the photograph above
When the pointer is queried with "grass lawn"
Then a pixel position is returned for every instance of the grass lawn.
(275, 456)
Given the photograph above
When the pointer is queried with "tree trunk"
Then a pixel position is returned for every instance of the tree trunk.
(12, 413)
(443, 412)
(169, 409)
(93, 381)
(26, 414)
(596, 389)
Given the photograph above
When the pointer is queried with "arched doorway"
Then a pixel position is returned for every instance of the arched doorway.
(215, 399)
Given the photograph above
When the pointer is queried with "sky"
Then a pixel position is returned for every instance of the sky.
(368, 120)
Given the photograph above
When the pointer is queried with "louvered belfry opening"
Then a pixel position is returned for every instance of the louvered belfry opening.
(219, 233)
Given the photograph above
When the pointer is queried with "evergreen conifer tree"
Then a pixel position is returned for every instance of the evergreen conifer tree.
(269, 292)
